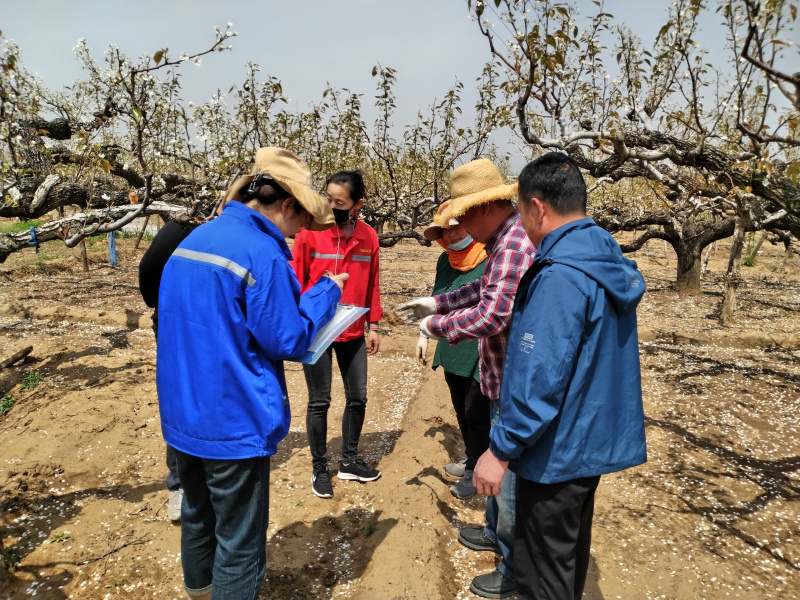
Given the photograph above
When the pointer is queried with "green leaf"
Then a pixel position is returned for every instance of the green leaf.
(158, 56)
(663, 30)
(374, 71)
(136, 114)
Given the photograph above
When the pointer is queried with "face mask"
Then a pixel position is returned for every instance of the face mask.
(459, 246)
(341, 215)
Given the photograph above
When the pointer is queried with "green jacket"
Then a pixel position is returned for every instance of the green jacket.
(461, 359)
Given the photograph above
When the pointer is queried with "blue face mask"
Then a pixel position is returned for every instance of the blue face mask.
(459, 246)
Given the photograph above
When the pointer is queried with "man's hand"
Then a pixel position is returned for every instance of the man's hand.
(340, 279)
(416, 309)
(425, 328)
(373, 343)
(489, 473)
(422, 349)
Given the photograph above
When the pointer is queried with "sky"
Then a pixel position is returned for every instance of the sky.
(307, 44)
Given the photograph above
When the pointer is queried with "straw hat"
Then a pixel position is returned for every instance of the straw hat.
(475, 183)
(434, 232)
(294, 176)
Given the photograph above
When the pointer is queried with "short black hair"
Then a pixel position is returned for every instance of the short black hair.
(555, 179)
(352, 180)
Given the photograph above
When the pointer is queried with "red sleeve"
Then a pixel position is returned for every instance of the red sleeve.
(373, 300)
(301, 259)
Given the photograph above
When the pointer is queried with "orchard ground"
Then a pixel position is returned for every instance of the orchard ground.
(714, 513)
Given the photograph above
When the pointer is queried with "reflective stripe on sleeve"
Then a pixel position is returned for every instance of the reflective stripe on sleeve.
(219, 261)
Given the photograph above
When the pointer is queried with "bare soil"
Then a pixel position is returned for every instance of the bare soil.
(714, 513)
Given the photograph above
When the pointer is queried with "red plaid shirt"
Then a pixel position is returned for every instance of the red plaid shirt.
(482, 309)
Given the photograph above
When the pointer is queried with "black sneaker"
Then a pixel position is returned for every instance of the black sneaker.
(475, 539)
(321, 484)
(493, 585)
(357, 471)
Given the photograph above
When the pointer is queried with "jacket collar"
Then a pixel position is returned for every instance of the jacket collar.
(358, 230)
(239, 211)
(504, 228)
(551, 239)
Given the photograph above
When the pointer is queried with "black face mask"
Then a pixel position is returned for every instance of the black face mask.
(341, 215)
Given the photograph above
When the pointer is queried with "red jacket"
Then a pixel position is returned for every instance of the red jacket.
(315, 252)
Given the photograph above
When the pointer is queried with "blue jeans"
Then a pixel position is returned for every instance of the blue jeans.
(224, 519)
(352, 359)
(501, 511)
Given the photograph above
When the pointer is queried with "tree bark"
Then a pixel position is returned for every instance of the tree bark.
(732, 276)
(689, 267)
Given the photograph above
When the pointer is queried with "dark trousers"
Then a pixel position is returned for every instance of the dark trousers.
(553, 537)
(472, 413)
(352, 359)
(224, 519)
(173, 482)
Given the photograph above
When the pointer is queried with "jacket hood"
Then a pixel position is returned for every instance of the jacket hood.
(585, 246)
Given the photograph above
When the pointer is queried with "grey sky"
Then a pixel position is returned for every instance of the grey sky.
(305, 43)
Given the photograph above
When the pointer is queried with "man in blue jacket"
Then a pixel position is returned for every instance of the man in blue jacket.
(571, 397)
(230, 313)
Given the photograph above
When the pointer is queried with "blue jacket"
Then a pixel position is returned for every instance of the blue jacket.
(571, 398)
(230, 311)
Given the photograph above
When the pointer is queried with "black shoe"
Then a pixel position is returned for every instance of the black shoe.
(493, 585)
(321, 484)
(357, 471)
(475, 539)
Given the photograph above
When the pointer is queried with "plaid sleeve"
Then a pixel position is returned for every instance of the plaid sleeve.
(466, 295)
(492, 313)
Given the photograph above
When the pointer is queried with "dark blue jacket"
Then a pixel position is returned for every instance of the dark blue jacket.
(571, 398)
(230, 312)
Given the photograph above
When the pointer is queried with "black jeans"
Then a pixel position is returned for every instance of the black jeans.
(352, 359)
(472, 413)
(552, 538)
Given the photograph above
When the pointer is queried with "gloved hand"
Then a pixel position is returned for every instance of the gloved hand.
(422, 349)
(416, 309)
(425, 328)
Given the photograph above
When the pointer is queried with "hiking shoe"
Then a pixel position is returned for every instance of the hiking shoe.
(475, 539)
(456, 469)
(493, 585)
(174, 504)
(357, 471)
(321, 484)
(464, 488)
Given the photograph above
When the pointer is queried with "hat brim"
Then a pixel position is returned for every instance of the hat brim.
(309, 199)
(459, 206)
(435, 232)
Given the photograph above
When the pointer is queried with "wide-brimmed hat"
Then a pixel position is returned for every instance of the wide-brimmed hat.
(294, 176)
(475, 183)
(434, 232)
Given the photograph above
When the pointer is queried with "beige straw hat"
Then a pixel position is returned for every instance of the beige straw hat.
(294, 176)
(475, 183)
(434, 232)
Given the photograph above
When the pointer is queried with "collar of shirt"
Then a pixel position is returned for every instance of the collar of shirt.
(358, 231)
(498, 234)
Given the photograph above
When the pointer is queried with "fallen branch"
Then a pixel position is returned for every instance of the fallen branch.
(138, 542)
(16, 357)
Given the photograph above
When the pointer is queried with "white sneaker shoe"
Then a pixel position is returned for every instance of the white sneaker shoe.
(174, 505)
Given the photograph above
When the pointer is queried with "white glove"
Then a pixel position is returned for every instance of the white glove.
(422, 349)
(425, 328)
(416, 309)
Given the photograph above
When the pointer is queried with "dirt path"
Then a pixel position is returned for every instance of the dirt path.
(715, 513)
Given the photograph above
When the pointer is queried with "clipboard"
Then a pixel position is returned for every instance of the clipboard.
(346, 315)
